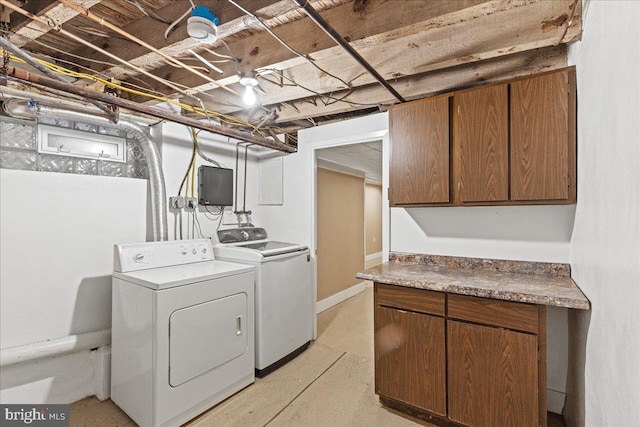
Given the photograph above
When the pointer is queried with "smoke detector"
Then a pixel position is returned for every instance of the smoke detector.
(202, 25)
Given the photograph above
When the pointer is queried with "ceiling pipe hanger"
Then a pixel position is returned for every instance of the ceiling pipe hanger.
(324, 25)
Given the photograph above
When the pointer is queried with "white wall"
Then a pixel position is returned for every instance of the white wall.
(295, 220)
(605, 247)
(532, 233)
(176, 155)
(56, 252)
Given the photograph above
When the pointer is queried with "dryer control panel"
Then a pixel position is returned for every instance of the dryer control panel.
(142, 256)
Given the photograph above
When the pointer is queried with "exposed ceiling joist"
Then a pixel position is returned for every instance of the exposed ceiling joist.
(419, 47)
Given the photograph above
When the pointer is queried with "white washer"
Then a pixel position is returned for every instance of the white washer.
(182, 330)
(284, 293)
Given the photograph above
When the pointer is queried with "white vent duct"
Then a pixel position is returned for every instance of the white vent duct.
(30, 110)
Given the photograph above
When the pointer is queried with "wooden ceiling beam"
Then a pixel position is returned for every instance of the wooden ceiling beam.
(431, 83)
(261, 50)
(51, 10)
(178, 43)
(432, 47)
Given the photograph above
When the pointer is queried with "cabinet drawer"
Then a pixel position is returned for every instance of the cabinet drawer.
(506, 314)
(411, 299)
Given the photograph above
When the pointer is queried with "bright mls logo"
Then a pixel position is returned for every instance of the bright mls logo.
(34, 415)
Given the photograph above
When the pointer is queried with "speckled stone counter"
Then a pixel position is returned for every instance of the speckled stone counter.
(521, 281)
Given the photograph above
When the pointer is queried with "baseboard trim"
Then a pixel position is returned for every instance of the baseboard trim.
(339, 297)
(373, 256)
(555, 401)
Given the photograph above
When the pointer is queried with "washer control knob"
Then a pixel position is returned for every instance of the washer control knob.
(138, 257)
(183, 250)
(194, 251)
(244, 235)
(204, 250)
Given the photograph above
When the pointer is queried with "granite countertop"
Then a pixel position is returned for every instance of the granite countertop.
(521, 281)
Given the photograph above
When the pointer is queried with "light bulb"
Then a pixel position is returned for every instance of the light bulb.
(249, 96)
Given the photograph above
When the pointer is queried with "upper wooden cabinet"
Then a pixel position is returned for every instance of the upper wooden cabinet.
(481, 144)
(543, 138)
(509, 143)
(419, 165)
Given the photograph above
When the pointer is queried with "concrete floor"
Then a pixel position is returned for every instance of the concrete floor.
(330, 384)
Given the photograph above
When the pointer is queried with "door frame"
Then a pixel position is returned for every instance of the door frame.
(378, 131)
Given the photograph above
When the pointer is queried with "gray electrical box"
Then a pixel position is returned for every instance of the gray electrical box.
(215, 186)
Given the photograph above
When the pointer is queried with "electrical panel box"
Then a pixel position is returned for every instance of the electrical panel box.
(215, 186)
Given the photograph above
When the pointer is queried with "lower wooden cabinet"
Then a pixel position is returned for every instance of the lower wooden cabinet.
(410, 358)
(492, 376)
(464, 360)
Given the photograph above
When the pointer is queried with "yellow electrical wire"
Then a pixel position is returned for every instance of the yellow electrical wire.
(198, 110)
(193, 163)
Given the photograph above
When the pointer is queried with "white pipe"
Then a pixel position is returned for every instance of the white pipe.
(56, 347)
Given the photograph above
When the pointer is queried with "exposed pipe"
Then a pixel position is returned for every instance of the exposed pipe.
(6, 44)
(56, 347)
(145, 109)
(7, 92)
(324, 25)
(31, 110)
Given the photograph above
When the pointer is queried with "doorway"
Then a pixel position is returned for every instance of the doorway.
(348, 218)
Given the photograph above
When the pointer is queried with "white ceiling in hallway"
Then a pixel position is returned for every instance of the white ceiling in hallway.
(365, 157)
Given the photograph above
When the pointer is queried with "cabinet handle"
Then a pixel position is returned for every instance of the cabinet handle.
(459, 185)
(459, 109)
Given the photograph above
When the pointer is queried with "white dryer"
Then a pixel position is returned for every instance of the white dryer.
(182, 330)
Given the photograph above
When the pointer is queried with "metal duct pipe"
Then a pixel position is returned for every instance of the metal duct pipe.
(30, 110)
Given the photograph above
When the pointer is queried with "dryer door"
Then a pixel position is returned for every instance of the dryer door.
(205, 336)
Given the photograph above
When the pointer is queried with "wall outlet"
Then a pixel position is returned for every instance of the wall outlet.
(176, 203)
(191, 203)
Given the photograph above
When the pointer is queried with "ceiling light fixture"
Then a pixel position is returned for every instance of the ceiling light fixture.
(249, 81)
(202, 25)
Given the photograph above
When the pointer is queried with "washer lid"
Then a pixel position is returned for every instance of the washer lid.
(256, 251)
(274, 248)
(169, 277)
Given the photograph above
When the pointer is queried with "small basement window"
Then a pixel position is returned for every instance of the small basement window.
(66, 142)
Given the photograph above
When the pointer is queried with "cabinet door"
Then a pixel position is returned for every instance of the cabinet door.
(410, 358)
(492, 377)
(481, 138)
(540, 138)
(419, 160)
